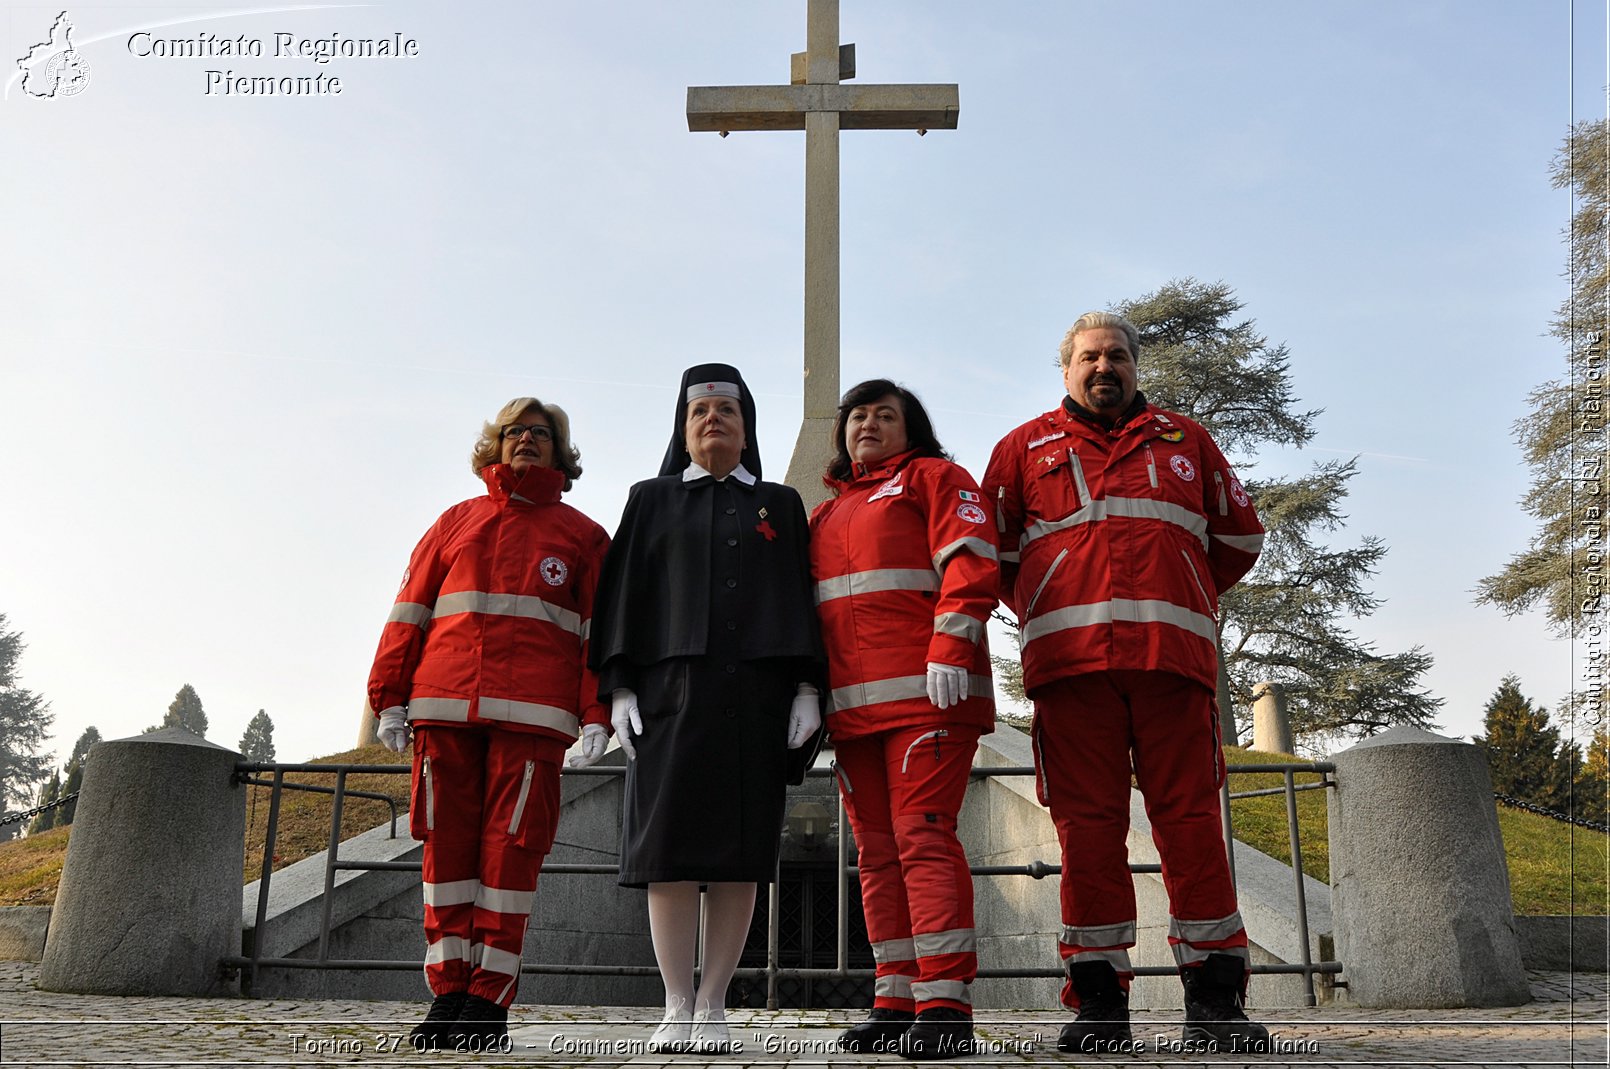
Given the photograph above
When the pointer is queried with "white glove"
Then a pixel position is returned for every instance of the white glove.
(627, 720)
(804, 717)
(393, 729)
(594, 741)
(947, 684)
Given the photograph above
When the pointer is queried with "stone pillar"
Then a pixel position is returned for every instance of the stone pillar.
(368, 727)
(1271, 726)
(1419, 885)
(150, 896)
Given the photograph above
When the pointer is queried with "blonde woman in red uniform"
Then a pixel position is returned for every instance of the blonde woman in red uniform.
(904, 558)
(483, 661)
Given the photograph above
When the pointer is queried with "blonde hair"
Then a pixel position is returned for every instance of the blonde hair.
(489, 446)
(1095, 321)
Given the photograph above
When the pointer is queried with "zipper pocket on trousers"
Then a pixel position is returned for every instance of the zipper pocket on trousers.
(519, 803)
(430, 794)
(1029, 611)
(844, 778)
(918, 741)
(1151, 465)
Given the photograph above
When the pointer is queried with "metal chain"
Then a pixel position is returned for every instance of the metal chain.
(12, 818)
(1531, 807)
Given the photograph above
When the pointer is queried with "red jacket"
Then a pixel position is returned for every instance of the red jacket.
(904, 560)
(1117, 545)
(491, 623)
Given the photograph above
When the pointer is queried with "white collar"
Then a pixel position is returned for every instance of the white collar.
(693, 471)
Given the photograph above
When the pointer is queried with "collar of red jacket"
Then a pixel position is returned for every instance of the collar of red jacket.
(883, 469)
(538, 486)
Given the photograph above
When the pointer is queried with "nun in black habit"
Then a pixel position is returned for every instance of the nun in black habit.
(704, 637)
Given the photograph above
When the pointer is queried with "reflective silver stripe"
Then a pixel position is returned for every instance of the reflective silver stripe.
(1118, 959)
(894, 950)
(449, 948)
(546, 716)
(1100, 935)
(1133, 508)
(1011, 556)
(528, 606)
(409, 612)
(1186, 954)
(977, 545)
(454, 893)
(844, 778)
(899, 688)
(955, 941)
(519, 801)
(491, 959)
(1105, 612)
(438, 709)
(586, 629)
(894, 986)
(1245, 543)
(1205, 931)
(918, 741)
(1077, 468)
(1044, 579)
(430, 794)
(954, 990)
(844, 586)
(502, 900)
(1224, 502)
(960, 625)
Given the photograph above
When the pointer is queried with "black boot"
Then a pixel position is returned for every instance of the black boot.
(940, 1032)
(1102, 1026)
(482, 1028)
(878, 1033)
(1213, 1012)
(444, 1010)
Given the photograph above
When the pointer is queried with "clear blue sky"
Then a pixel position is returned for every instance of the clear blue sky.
(246, 342)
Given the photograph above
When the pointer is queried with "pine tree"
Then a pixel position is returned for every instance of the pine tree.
(25, 720)
(47, 795)
(1523, 749)
(1283, 621)
(186, 712)
(75, 774)
(257, 744)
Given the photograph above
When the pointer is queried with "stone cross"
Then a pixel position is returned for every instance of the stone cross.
(817, 103)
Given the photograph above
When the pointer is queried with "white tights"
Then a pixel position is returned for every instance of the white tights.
(673, 923)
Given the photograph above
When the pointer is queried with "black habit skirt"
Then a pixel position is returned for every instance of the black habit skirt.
(704, 799)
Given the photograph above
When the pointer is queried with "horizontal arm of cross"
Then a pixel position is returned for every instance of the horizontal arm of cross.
(860, 107)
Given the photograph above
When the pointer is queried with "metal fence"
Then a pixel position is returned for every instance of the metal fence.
(251, 964)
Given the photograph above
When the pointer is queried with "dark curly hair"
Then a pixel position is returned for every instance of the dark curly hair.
(919, 428)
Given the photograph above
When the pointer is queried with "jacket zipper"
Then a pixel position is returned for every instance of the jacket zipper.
(1224, 504)
(918, 741)
(1000, 510)
(1077, 470)
(1151, 465)
(430, 794)
(1041, 588)
(519, 803)
(1197, 579)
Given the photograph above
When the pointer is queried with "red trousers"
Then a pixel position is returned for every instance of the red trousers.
(1087, 730)
(902, 790)
(485, 804)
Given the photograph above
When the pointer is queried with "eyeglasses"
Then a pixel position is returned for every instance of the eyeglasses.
(538, 434)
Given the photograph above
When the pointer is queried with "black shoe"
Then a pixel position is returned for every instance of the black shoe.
(482, 1028)
(878, 1033)
(1213, 1011)
(940, 1032)
(1102, 1026)
(444, 1010)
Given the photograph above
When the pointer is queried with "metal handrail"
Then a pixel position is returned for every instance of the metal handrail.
(773, 971)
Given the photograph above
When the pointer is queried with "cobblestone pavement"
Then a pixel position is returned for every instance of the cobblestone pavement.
(1566, 1024)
